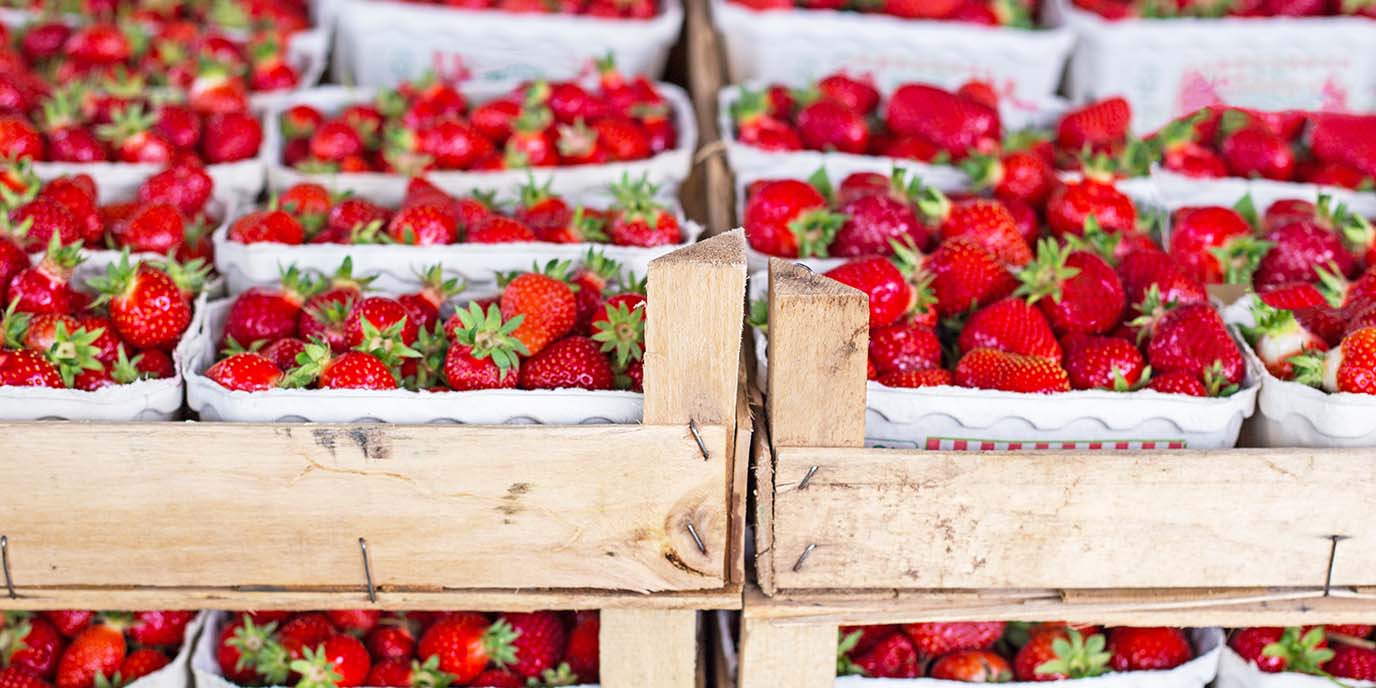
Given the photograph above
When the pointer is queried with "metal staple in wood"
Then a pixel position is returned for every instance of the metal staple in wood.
(697, 540)
(798, 565)
(702, 446)
(367, 571)
(807, 478)
(5, 563)
(1332, 557)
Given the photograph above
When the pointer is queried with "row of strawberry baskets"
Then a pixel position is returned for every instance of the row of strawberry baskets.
(344, 648)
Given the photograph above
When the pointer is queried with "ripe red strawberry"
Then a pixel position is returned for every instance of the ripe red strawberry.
(893, 657)
(1350, 367)
(637, 219)
(32, 643)
(382, 314)
(185, 186)
(890, 295)
(1072, 203)
(1143, 269)
(1193, 339)
(1351, 661)
(965, 276)
(1255, 151)
(547, 302)
(484, 354)
(1297, 250)
(622, 138)
(902, 347)
(26, 368)
(283, 352)
(131, 134)
(305, 631)
(19, 140)
(828, 125)
(930, 377)
(160, 627)
(392, 638)
(246, 372)
(1077, 290)
(859, 95)
(1099, 126)
(1054, 654)
(539, 643)
(1277, 337)
(955, 125)
(44, 288)
(499, 229)
(348, 217)
(1021, 175)
(498, 678)
(423, 225)
(339, 661)
(46, 218)
(96, 652)
(1011, 325)
(1215, 244)
(1359, 631)
(465, 643)
(994, 369)
(13, 260)
(146, 305)
(1104, 363)
(269, 314)
(231, 136)
(178, 125)
(581, 653)
(241, 645)
(454, 144)
(568, 362)
(18, 677)
(73, 195)
(790, 218)
(984, 221)
(153, 228)
(875, 220)
(1274, 650)
(1148, 648)
(300, 121)
(142, 662)
(936, 639)
(267, 226)
(69, 622)
(973, 666)
(757, 126)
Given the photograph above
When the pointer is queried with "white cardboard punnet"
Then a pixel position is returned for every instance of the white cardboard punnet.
(803, 45)
(487, 407)
(668, 168)
(1236, 672)
(1172, 67)
(384, 42)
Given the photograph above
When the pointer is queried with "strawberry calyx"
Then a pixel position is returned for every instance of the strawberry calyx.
(1121, 384)
(1077, 656)
(117, 281)
(1045, 275)
(125, 370)
(14, 325)
(432, 344)
(298, 286)
(488, 336)
(310, 363)
(758, 317)
(814, 231)
(343, 277)
(532, 193)
(368, 233)
(498, 640)
(427, 674)
(985, 171)
(576, 140)
(1240, 256)
(12, 636)
(435, 287)
(1301, 650)
(190, 276)
(1152, 308)
(1310, 368)
(126, 123)
(73, 352)
(587, 226)
(560, 676)
(622, 331)
(316, 669)
(1332, 284)
(750, 107)
(845, 643)
(598, 264)
(1247, 208)
(255, 645)
(60, 109)
(233, 347)
(820, 181)
(386, 344)
(934, 205)
(1216, 381)
(1097, 241)
(1269, 321)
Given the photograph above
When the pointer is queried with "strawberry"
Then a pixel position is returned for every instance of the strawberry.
(497, 229)
(13, 260)
(44, 288)
(18, 677)
(789, 218)
(178, 125)
(335, 141)
(153, 228)
(1274, 650)
(1148, 648)
(454, 144)
(859, 95)
(98, 44)
(26, 368)
(532, 143)
(936, 639)
(623, 138)
(930, 377)
(133, 138)
(69, 622)
(1099, 127)
(267, 226)
(1347, 368)
(546, 300)
(1277, 337)
(142, 662)
(95, 655)
(349, 216)
(1255, 151)
(423, 225)
(392, 638)
(955, 125)
(637, 219)
(902, 347)
(581, 653)
(300, 121)
(984, 221)
(349, 370)
(185, 186)
(60, 338)
(1351, 661)
(231, 136)
(1011, 325)
(1297, 251)
(890, 296)
(1104, 363)
(484, 354)
(380, 324)
(465, 643)
(973, 666)
(618, 325)
(408, 674)
(1076, 290)
(539, 642)
(1150, 269)
(994, 369)
(1054, 654)
(243, 647)
(19, 140)
(755, 126)
(1021, 175)
(246, 372)
(499, 678)
(965, 276)
(893, 657)
(32, 643)
(1194, 340)
(874, 220)
(1072, 203)
(828, 125)
(269, 314)
(73, 195)
(1215, 244)
(46, 218)
(146, 305)
(568, 362)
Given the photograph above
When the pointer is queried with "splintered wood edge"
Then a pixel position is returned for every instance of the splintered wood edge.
(726, 249)
(790, 279)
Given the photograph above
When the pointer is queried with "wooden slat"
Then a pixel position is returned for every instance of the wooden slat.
(706, 76)
(910, 519)
(818, 344)
(764, 510)
(693, 333)
(797, 655)
(212, 504)
(739, 484)
(649, 647)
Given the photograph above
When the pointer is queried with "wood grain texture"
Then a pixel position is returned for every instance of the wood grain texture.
(706, 76)
(795, 655)
(214, 504)
(693, 333)
(764, 509)
(649, 647)
(818, 345)
(910, 519)
(739, 484)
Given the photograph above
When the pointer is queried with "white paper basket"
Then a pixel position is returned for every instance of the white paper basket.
(1236, 672)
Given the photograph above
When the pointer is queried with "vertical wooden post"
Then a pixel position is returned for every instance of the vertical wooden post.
(641, 648)
(793, 655)
(696, 299)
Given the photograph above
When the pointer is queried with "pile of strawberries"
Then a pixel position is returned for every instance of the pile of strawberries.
(168, 215)
(308, 213)
(429, 125)
(554, 327)
(1166, 9)
(365, 647)
(234, 16)
(1090, 306)
(998, 652)
(602, 9)
(86, 649)
(1020, 13)
(1332, 651)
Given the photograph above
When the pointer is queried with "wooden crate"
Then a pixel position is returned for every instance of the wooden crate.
(645, 522)
(832, 514)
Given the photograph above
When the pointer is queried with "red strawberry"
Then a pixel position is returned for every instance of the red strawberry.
(1277, 337)
(568, 362)
(546, 301)
(955, 125)
(498, 678)
(1072, 203)
(1077, 290)
(1178, 383)
(18, 677)
(936, 639)
(178, 125)
(465, 643)
(875, 220)
(1144, 269)
(134, 140)
(1351, 661)
(1193, 339)
(31, 643)
(146, 305)
(349, 216)
(46, 218)
(160, 627)
(379, 317)
(269, 314)
(1359, 631)
(994, 369)
(930, 377)
(1297, 250)
(1274, 650)
(965, 276)
(1010, 325)
(755, 126)
(484, 354)
(300, 121)
(637, 219)
(1148, 648)
(539, 643)
(95, 654)
(44, 288)
(267, 226)
(1022, 175)
(828, 125)
(73, 195)
(141, 663)
(984, 221)
(70, 622)
(890, 295)
(789, 218)
(153, 228)
(392, 638)
(498, 229)
(1255, 151)
(246, 372)
(283, 352)
(1215, 244)
(893, 657)
(902, 347)
(19, 140)
(1104, 363)
(231, 136)
(1350, 367)
(1099, 126)
(423, 225)
(973, 666)
(1054, 654)
(622, 138)
(581, 654)
(184, 186)
(26, 368)
(341, 660)
(454, 144)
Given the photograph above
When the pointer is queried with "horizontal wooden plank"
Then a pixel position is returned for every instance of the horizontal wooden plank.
(224, 505)
(909, 519)
(1231, 608)
(479, 600)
